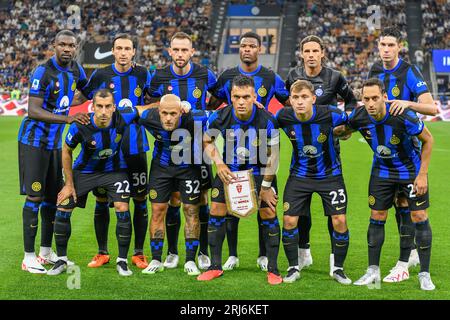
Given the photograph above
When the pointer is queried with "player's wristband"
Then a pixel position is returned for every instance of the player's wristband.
(266, 184)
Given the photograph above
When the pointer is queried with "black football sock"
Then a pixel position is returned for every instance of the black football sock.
(48, 211)
(290, 244)
(140, 224)
(101, 225)
(123, 233)
(232, 227)
(204, 217)
(63, 230)
(173, 223)
(156, 247)
(407, 232)
(191, 249)
(30, 221)
(271, 234)
(262, 244)
(304, 227)
(216, 236)
(423, 240)
(340, 244)
(375, 240)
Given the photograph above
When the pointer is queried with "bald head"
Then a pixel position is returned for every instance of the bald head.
(170, 111)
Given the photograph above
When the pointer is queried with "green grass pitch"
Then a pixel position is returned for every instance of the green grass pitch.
(247, 282)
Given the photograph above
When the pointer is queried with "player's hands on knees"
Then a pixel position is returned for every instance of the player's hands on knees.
(397, 106)
(269, 196)
(65, 193)
(225, 173)
(421, 184)
(82, 118)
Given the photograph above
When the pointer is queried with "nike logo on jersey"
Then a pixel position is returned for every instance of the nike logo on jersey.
(420, 203)
(101, 55)
(56, 91)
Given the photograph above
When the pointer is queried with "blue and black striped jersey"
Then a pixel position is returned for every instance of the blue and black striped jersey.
(267, 85)
(100, 147)
(181, 147)
(246, 143)
(56, 85)
(404, 82)
(314, 152)
(129, 90)
(393, 141)
(192, 87)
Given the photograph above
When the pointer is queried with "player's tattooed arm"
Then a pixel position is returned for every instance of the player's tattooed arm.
(68, 190)
(425, 105)
(192, 226)
(36, 112)
(343, 132)
(212, 153)
(421, 181)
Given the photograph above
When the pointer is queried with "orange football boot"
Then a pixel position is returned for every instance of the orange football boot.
(98, 260)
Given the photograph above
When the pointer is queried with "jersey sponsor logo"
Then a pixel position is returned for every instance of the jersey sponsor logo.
(36, 186)
(125, 103)
(64, 104)
(35, 84)
(101, 55)
(153, 194)
(105, 153)
(286, 206)
(214, 193)
(394, 140)
(310, 151)
(138, 92)
(197, 93)
(421, 83)
(395, 91)
(319, 92)
(384, 152)
(118, 138)
(371, 200)
(321, 138)
(262, 92)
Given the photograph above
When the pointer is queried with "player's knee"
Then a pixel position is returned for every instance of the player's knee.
(419, 216)
(218, 209)
(267, 213)
(159, 211)
(121, 206)
(339, 222)
(379, 215)
(175, 199)
(290, 222)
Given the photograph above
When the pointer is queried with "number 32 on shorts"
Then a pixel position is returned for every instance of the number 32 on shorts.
(192, 186)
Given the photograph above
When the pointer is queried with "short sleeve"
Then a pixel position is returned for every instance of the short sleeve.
(38, 82)
(281, 93)
(156, 87)
(83, 80)
(212, 80)
(414, 126)
(415, 81)
(338, 117)
(73, 136)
